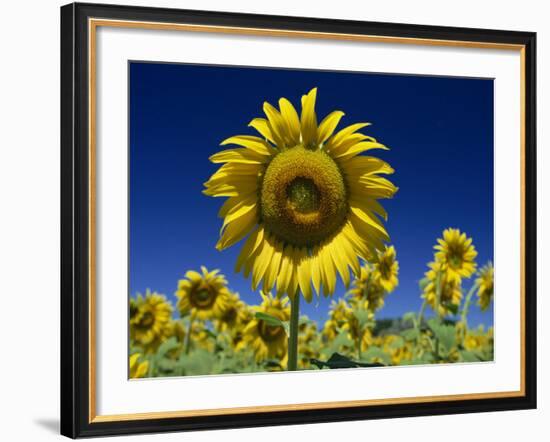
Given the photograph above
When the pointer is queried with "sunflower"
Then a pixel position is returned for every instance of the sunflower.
(359, 329)
(308, 343)
(337, 317)
(367, 287)
(150, 317)
(304, 196)
(450, 292)
(204, 296)
(456, 251)
(268, 341)
(233, 314)
(485, 283)
(386, 269)
(138, 369)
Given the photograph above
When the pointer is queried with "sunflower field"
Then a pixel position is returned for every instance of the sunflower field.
(304, 201)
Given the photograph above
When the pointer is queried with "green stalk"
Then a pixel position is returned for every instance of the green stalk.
(293, 334)
(437, 312)
(465, 309)
(420, 316)
(188, 337)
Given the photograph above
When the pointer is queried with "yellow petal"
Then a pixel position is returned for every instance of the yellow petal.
(273, 270)
(262, 262)
(276, 124)
(309, 119)
(304, 273)
(262, 126)
(327, 126)
(285, 273)
(290, 117)
(249, 247)
(329, 272)
(339, 259)
(241, 209)
(238, 229)
(344, 133)
(240, 155)
(357, 149)
(255, 144)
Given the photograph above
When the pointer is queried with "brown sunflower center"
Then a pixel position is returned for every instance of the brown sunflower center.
(146, 320)
(303, 197)
(270, 333)
(203, 297)
(230, 315)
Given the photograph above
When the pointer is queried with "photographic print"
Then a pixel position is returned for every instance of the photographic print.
(286, 219)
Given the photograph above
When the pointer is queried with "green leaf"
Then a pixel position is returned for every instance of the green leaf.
(453, 308)
(273, 321)
(166, 347)
(410, 334)
(409, 317)
(198, 362)
(374, 352)
(340, 361)
(397, 343)
(445, 333)
(468, 356)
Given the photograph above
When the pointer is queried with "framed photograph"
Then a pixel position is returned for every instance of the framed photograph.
(279, 220)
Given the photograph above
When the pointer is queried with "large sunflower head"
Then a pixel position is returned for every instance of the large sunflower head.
(449, 289)
(150, 317)
(456, 251)
(306, 198)
(367, 287)
(485, 283)
(386, 269)
(203, 295)
(268, 341)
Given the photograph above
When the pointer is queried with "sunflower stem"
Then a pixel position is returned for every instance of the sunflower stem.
(293, 334)
(188, 337)
(437, 310)
(465, 309)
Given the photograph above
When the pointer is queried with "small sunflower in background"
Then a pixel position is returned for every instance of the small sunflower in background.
(309, 343)
(304, 196)
(359, 322)
(138, 369)
(233, 314)
(268, 341)
(338, 314)
(386, 269)
(450, 291)
(202, 295)
(485, 283)
(150, 317)
(367, 287)
(456, 251)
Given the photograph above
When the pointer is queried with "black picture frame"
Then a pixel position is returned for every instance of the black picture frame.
(75, 397)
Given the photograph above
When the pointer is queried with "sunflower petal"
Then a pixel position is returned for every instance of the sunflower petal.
(238, 229)
(309, 119)
(327, 126)
(262, 126)
(276, 124)
(290, 116)
(240, 155)
(255, 144)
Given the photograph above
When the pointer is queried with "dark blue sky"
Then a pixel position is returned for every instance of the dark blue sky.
(439, 130)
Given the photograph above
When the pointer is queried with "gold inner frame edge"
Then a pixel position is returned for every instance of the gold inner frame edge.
(93, 24)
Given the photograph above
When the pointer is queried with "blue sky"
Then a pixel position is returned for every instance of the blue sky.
(439, 130)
